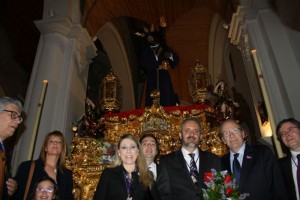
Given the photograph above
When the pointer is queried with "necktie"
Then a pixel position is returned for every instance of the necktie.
(193, 168)
(298, 173)
(236, 168)
(2, 146)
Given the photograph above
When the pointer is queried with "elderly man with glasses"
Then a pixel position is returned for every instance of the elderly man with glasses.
(254, 167)
(288, 131)
(10, 118)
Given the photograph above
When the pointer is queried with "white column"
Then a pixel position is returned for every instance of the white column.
(64, 52)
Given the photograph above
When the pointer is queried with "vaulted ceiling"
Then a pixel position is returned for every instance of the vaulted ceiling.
(188, 18)
(188, 27)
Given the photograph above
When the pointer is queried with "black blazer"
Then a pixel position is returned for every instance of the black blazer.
(181, 184)
(112, 186)
(286, 167)
(162, 183)
(261, 176)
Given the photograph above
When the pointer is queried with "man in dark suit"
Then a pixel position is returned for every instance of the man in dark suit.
(259, 174)
(186, 166)
(288, 131)
(150, 148)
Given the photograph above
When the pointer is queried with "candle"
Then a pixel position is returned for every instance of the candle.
(37, 120)
(267, 103)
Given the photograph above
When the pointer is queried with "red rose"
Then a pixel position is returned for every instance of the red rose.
(208, 177)
(227, 178)
(229, 191)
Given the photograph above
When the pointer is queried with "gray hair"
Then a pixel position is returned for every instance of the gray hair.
(196, 120)
(4, 101)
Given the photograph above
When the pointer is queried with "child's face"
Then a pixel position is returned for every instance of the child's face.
(44, 190)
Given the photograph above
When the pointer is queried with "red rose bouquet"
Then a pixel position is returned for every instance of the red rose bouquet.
(221, 186)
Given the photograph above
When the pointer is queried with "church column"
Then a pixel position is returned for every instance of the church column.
(64, 52)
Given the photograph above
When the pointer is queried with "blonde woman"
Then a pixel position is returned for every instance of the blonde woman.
(51, 163)
(129, 178)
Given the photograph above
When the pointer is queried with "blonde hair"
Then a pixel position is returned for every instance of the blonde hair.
(62, 157)
(145, 177)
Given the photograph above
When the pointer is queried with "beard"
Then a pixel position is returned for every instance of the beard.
(190, 141)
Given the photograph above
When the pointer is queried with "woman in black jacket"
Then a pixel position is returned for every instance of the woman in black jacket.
(50, 164)
(129, 178)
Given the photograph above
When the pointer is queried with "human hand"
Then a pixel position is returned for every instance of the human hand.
(12, 186)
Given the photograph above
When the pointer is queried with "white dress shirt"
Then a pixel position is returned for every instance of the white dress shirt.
(153, 169)
(188, 158)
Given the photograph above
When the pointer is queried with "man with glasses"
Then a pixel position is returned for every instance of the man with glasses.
(186, 166)
(254, 167)
(10, 118)
(288, 130)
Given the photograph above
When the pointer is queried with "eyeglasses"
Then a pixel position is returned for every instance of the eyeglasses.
(288, 131)
(233, 131)
(14, 115)
(48, 190)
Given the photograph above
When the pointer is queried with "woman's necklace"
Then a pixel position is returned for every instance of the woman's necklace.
(52, 168)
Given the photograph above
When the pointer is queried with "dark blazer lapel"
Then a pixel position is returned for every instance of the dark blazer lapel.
(202, 165)
(289, 173)
(181, 161)
(226, 163)
(247, 164)
(120, 173)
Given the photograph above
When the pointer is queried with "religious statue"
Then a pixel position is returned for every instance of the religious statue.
(224, 104)
(157, 58)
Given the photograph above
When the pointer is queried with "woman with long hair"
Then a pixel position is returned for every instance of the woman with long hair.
(51, 163)
(129, 177)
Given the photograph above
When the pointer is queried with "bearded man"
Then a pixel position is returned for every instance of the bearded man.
(185, 168)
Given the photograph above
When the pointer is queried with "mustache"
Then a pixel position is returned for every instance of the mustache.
(191, 137)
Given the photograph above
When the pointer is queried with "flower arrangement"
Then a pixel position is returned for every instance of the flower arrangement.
(221, 186)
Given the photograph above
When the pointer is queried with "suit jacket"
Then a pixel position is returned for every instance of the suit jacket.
(163, 187)
(181, 184)
(2, 173)
(260, 176)
(286, 167)
(112, 186)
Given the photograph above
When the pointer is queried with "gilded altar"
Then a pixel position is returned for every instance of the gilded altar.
(90, 156)
(93, 148)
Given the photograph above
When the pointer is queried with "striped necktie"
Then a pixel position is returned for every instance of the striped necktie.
(193, 168)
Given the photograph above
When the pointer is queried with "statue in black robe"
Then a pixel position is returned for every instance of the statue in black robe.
(157, 57)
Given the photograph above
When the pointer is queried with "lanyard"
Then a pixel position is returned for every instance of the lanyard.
(128, 182)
